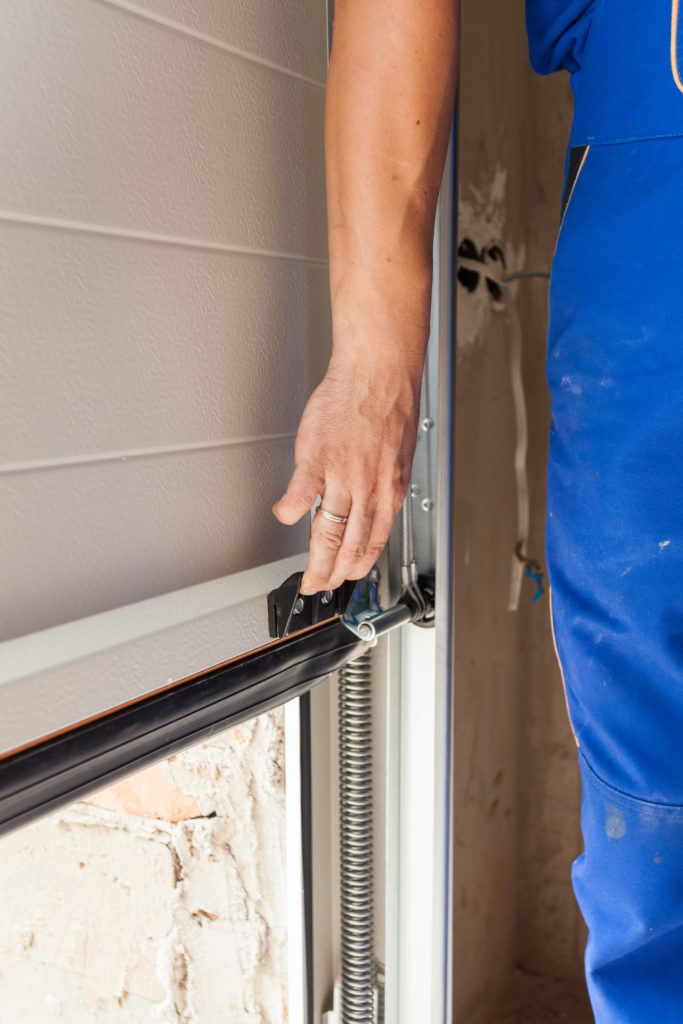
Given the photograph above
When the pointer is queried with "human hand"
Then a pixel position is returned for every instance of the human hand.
(354, 448)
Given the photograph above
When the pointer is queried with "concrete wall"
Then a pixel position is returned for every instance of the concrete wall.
(162, 899)
(517, 789)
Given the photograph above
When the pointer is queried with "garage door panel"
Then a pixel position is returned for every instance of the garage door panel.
(113, 120)
(119, 345)
(88, 538)
(165, 314)
(291, 34)
(55, 678)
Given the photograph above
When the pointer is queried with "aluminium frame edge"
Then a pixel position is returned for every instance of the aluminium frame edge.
(445, 560)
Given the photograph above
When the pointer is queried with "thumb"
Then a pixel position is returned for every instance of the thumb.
(299, 497)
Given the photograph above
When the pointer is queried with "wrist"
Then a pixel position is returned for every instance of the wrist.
(383, 313)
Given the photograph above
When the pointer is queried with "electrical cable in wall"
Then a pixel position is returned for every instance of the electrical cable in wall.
(490, 270)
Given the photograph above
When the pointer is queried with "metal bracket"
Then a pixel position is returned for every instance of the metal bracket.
(290, 611)
(355, 601)
(368, 620)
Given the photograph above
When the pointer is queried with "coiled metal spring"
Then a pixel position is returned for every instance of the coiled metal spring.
(355, 774)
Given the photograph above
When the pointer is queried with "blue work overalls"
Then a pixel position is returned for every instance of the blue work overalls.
(615, 483)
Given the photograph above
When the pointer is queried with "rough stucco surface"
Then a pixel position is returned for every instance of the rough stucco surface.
(114, 917)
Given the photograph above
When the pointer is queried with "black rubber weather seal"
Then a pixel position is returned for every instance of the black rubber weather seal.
(67, 767)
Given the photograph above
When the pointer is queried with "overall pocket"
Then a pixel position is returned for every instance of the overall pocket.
(577, 159)
(575, 165)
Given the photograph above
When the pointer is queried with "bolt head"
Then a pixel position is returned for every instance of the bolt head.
(427, 423)
(366, 631)
(414, 489)
(427, 504)
(327, 597)
(298, 606)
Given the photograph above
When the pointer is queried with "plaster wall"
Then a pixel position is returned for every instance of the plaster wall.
(161, 899)
(517, 787)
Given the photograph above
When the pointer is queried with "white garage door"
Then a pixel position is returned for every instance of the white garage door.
(164, 314)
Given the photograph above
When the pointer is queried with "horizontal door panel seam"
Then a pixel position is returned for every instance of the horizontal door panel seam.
(203, 37)
(110, 231)
(61, 462)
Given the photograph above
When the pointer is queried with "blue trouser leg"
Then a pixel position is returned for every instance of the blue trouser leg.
(615, 557)
(629, 883)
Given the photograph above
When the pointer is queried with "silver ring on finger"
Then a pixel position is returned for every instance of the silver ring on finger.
(332, 516)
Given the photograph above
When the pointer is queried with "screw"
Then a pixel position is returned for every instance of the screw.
(427, 423)
(327, 597)
(427, 504)
(414, 489)
(366, 631)
(298, 606)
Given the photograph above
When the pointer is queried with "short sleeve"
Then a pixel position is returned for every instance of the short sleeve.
(558, 32)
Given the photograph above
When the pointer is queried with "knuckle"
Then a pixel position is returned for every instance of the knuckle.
(330, 540)
(399, 485)
(297, 500)
(402, 478)
(352, 553)
(374, 550)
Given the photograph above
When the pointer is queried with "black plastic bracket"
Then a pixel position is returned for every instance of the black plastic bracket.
(290, 611)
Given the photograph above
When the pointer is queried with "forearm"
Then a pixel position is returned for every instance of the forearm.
(388, 115)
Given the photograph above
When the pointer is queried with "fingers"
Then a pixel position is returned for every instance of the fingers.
(354, 544)
(359, 565)
(326, 540)
(299, 497)
(339, 552)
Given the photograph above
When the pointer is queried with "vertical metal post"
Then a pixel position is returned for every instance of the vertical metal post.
(445, 557)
